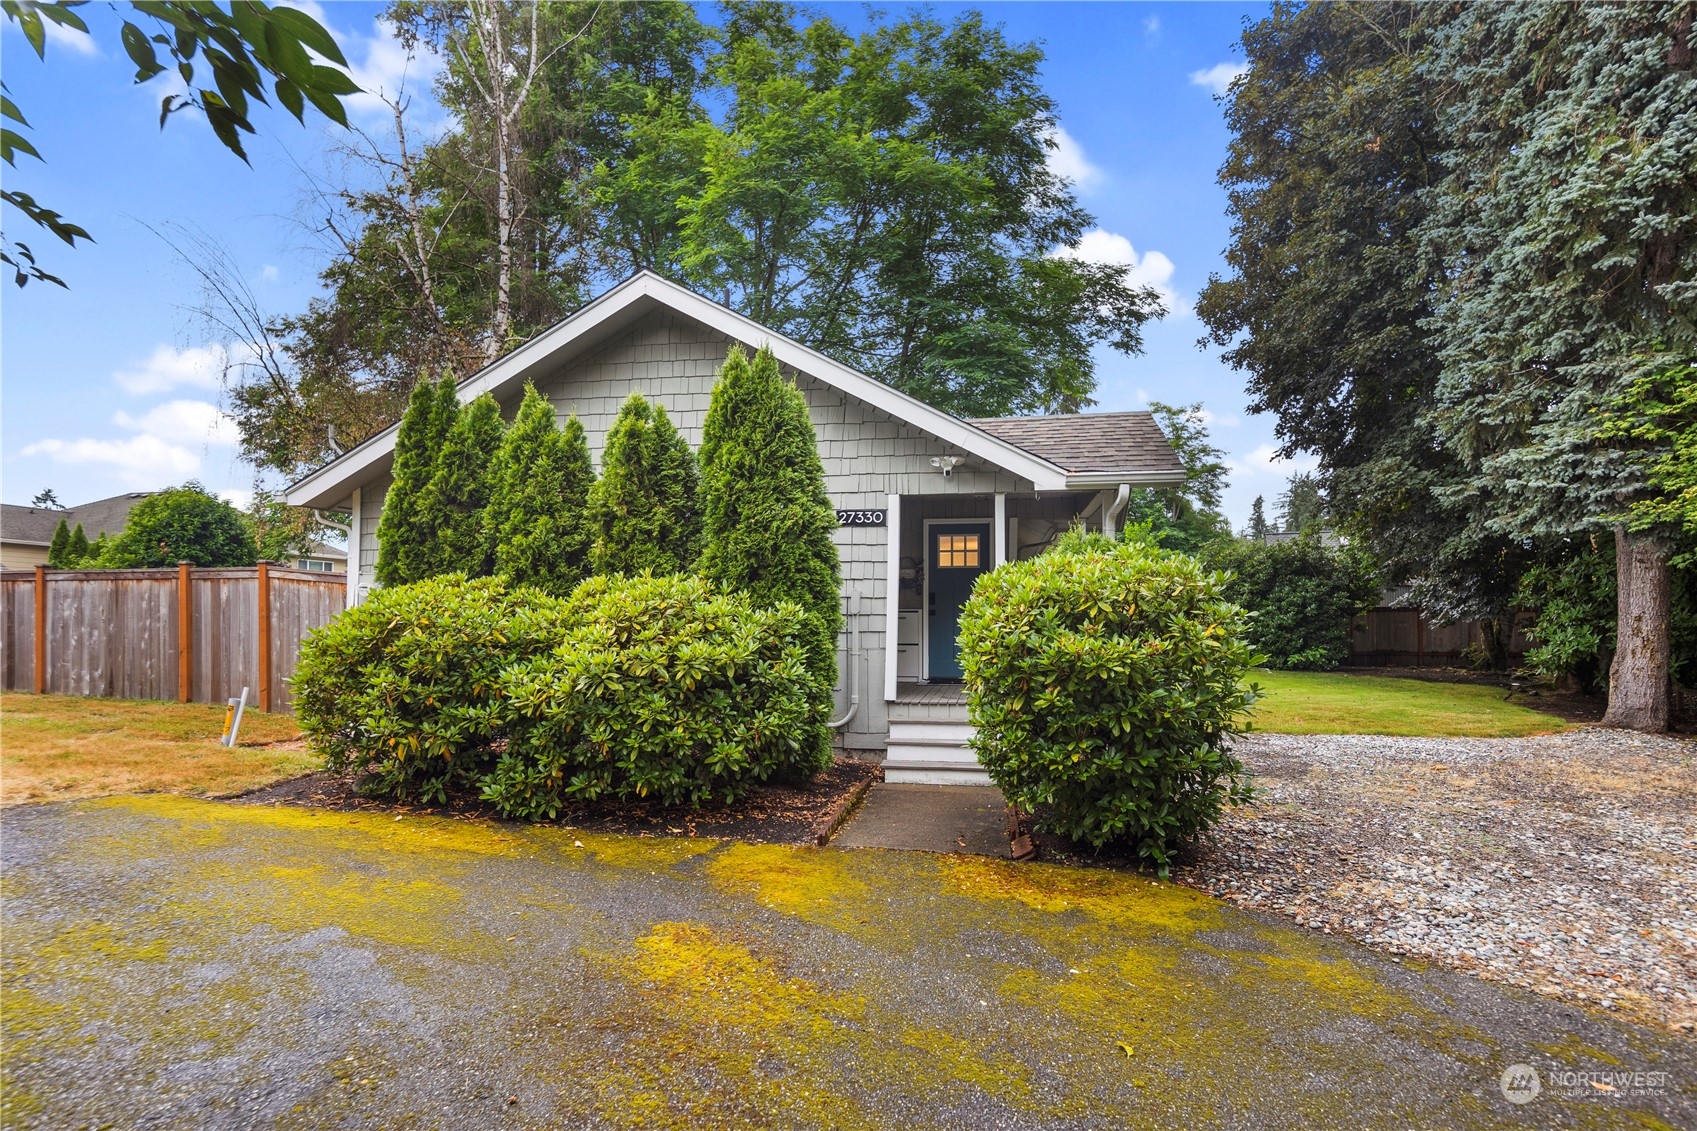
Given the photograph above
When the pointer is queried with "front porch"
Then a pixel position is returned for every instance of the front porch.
(929, 736)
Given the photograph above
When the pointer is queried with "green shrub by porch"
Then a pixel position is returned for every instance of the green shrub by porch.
(406, 684)
(644, 515)
(1104, 680)
(663, 689)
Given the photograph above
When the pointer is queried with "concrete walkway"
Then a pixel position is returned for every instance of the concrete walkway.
(172, 963)
(930, 818)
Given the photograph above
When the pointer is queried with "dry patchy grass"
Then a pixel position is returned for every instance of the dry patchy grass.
(1332, 703)
(60, 747)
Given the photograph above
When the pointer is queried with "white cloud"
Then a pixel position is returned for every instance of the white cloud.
(199, 367)
(1067, 160)
(182, 422)
(141, 461)
(239, 497)
(1152, 25)
(71, 39)
(1218, 78)
(269, 272)
(1265, 460)
(1151, 269)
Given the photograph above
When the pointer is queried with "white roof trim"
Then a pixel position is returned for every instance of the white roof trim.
(331, 484)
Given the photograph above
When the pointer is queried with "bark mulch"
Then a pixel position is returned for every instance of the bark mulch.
(770, 813)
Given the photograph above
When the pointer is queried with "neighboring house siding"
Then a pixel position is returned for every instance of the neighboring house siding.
(15, 555)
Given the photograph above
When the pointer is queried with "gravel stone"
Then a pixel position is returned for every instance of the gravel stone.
(1563, 863)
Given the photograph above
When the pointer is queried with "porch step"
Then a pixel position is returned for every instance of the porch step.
(932, 752)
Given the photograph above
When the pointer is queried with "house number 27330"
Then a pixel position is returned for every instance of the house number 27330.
(860, 518)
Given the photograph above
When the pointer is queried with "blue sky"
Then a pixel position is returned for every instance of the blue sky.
(114, 385)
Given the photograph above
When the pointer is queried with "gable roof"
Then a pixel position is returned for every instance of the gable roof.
(1110, 443)
(34, 526)
(619, 308)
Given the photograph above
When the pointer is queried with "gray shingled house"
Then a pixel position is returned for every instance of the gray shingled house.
(925, 501)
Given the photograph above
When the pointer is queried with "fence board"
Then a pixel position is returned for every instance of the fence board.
(115, 633)
(1398, 637)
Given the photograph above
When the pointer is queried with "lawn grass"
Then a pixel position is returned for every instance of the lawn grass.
(59, 747)
(1329, 703)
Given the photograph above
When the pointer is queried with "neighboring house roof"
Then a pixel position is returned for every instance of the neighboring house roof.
(644, 293)
(34, 526)
(327, 551)
(1102, 442)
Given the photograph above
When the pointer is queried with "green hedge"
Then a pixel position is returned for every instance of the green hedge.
(406, 686)
(1301, 595)
(662, 689)
(1103, 680)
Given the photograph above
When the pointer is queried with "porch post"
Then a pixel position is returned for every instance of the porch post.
(999, 540)
(352, 598)
(892, 592)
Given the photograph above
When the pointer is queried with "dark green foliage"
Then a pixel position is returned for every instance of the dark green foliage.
(405, 685)
(1104, 680)
(644, 511)
(1187, 517)
(1303, 504)
(767, 520)
(536, 524)
(1257, 528)
(663, 689)
(182, 524)
(452, 505)
(78, 551)
(1300, 595)
(60, 543)
(405, 544)
(1573, 598)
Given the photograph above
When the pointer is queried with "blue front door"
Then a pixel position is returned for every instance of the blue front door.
(957, 554)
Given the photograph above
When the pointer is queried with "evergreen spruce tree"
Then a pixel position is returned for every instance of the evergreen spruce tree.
(643, 510)
(61, 542)
(1257, 529)
(405, 544)
(452, 506)
(536, 524)
(767, 520)
(77, 552)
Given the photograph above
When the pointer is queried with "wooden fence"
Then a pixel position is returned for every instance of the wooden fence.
(1396, 637)
(190, 634)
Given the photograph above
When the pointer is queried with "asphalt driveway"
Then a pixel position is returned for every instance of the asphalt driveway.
(175, 963)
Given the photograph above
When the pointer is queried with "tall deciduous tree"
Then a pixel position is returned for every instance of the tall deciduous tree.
(767, 519)
(182, 524)
(643, 510)
(451, 507)
(405, 540)
(1567, 230)
(537, 522)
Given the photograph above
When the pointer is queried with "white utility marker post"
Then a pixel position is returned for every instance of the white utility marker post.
(233, 718)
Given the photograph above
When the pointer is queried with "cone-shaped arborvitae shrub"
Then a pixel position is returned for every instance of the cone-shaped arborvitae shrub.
(643, 509)
(406, 548)
(61, 542)
(78, 550)
(537, 522)
(767, 519)
(453, 504)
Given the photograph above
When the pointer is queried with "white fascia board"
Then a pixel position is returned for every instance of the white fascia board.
(334, 481)
(1090, 479)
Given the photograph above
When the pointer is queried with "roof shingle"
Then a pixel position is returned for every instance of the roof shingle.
(1089, 441)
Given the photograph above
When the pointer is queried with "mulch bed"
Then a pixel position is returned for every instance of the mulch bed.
(771, 813)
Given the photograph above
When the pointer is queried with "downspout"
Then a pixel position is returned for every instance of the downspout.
(854, 667)
(1112, 515)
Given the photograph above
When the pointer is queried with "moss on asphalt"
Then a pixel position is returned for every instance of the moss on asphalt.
(421, 971)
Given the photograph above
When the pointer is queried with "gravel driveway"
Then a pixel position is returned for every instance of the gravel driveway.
(173, 963)
(1564, 863)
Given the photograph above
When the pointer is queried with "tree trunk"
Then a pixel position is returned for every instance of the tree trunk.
(1638, 677)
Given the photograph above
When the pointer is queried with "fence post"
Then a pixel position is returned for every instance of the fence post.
(264, 603)
(1419, 638)
(40, 629)
(185, 633)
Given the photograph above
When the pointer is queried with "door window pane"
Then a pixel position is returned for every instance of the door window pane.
(957, 551)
